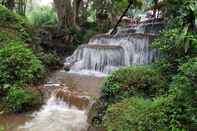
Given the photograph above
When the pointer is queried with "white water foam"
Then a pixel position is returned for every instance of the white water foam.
(56, 115)
(88, 73)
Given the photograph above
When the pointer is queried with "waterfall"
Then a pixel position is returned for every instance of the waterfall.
(135, 46)
(102, 58)
(105, 53)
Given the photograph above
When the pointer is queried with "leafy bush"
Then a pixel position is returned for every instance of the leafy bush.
(183, 110)
(176, 47)
(134, 81)
(183, 90)
(137, 114)
(176, 111)
(184, 85)
(189, 69)
(50, 60)
(19, 64)
(19, 99)
(159, 114)
(42, 16)
(7, 36)
(12, 26)
(11, 19)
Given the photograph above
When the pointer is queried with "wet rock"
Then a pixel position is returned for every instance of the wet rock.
(96, 114)
(67, 66)
(73, 98)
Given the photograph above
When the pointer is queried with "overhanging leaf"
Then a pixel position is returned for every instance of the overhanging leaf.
(187, 45)
(181, 38)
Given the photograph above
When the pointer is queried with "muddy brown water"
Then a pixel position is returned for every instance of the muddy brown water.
(54, 115)
(87, 85)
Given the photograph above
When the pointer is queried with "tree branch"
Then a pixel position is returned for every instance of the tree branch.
(114, 31)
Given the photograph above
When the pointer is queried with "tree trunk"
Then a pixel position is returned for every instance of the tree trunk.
(10, 4)
(60, 6)
(69, 15)
(21, 7)
(67, 12)
(76, 7)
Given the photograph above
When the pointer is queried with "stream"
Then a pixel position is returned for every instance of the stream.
(59, 113)
(69, 96)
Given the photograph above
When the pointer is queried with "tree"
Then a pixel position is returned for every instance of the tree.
(61, 7)
(21, 6)
(10, 4)
(18, 5)
(68, 12)
(134, 3)
(77, 4)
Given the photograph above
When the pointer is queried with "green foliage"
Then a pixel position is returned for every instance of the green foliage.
(183, 110)
(75, 37)
(183, 91)
(176, 111)
(176, 47)
(115, 6)
(11, 19)
(12, 26)
(170, 45)
(134, 81)
(118, 4)
(42, 16)
(19, 64)
(50, 59)
(181, 12)
(189, 69)
(7, 35)
(159, 114)
(20, 100)
(137, 114)
(178, 42)
(1, 129)
(111, 9)
(184, 85)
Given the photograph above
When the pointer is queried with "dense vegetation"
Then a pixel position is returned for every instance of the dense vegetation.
(134, 81)
(176, 110)
(158, 97)
(19, 64)
(162, 97)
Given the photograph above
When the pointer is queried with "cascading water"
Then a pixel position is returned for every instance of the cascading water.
(67, 111)
(101, 58)
(104, 53)
(136, 47)
(68, 99)
(57, 115)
